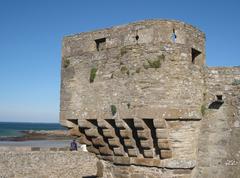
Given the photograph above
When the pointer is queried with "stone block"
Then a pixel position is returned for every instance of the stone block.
(84, 140)
(121, 175)
(165, 154)
(146, 144)
(163, 144)
(138, 176)
(162, 133)
(100, 169)
(92, 132)
(142, 161)
(98, 141)
(74, 131)
(132, 152)
(144, 134)
(120, 124)
(103, 124)
(121, 160)
(35, 149)
(92, 149)
(63, 149)
(53, 149)
(126, 133)
(159, 123)
(129, 143)
(118, 151)
(104, 150)
(114, 142)
(139, 124)
(148, 153)
(84, 124)
(107, 158)
(108, 133)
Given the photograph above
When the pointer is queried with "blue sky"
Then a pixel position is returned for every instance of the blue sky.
(31, 32)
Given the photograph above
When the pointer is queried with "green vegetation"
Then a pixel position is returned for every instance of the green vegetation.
(113, 109)
(203, 109)
(154, 63)
(236, 82)
(66, 63)
(125, 70)
(93, 74)
(128, 105)
(138, 70)
(123, 51)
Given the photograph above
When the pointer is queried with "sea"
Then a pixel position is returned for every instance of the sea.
(13, 129)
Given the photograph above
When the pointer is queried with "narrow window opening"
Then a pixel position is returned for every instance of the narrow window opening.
(195, 54)
(219, 97)
(137, 37)
(217, 104)
(174, 36)
(100, 44)
(74, 121)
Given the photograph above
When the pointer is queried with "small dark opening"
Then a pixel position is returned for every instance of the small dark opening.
(100, 43)
(174, 36)
(74, 121)
(195, 53)
(215, 105)
(137, 37)
(219, 97)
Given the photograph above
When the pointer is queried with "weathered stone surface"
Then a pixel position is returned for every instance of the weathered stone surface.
(142, 92)
(48, 163)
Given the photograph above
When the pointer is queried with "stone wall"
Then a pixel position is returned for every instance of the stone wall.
(45, 163)
(141, 98)
(219, 145)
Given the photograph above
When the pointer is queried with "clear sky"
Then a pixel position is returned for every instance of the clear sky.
(31, 32)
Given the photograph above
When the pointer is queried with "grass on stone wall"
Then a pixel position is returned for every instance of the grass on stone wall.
(156, 63)
(113, 109)
(66, 63)
(203, 109)
(92, 74)
(125, 70)
(138, 70)
(236, 82)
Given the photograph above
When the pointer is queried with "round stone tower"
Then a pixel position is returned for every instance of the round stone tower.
(133, 94)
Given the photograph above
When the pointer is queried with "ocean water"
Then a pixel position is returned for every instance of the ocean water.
(13, 129)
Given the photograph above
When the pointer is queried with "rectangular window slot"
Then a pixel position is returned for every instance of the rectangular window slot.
(195, 54)
(219, 97)
(100, 44)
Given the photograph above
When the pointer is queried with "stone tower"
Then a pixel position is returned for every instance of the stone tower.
(137, 96)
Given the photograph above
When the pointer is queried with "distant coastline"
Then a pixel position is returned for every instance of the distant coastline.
(14, 131)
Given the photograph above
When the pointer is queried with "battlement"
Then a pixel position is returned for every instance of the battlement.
(144, 32)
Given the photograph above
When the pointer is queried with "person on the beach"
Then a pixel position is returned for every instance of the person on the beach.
(73, 146)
